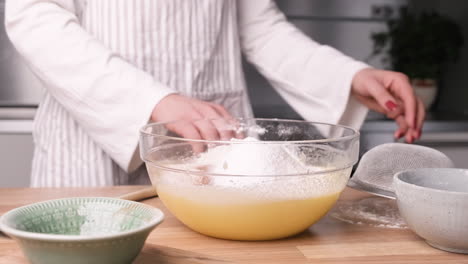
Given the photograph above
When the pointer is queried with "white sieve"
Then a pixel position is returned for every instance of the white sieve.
(377, 167)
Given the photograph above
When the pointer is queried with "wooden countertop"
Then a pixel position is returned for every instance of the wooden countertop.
(328, 241)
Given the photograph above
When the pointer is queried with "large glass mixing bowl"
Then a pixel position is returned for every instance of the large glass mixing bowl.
(266, 179)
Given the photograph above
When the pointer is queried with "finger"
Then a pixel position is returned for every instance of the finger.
(382, 96)
(409, 136)
(220, 119)
(230, 128)
(371, 103)
(404, 91)
(420, 117)
(184, 129)
(414, 130)
(398, 111)
(225, 130)
(402, 127)
(238, 128)
(222, 111)
(187, 130)
(374, 105)
(207, 130)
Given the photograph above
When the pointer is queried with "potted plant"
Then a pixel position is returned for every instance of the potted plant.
(419, 45)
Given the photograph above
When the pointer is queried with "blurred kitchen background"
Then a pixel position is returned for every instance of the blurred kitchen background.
(344, 24)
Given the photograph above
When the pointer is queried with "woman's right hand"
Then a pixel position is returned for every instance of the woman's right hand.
(201, 120)
(178, 107)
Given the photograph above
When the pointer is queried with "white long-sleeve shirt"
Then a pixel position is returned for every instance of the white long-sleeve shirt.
(107, 63)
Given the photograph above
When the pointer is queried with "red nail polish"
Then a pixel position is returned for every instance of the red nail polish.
(390, 105)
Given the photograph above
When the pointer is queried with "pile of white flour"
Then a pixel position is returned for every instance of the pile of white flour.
(255, 158)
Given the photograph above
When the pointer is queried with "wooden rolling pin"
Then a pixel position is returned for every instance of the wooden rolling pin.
(142, 194)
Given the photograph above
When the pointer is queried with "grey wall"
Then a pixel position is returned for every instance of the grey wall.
(16, 153)
(18, 85)
(453, 95)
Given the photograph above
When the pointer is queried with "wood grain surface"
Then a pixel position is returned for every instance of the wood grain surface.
(328, 241)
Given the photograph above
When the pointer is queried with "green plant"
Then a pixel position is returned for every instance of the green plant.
(419, 44)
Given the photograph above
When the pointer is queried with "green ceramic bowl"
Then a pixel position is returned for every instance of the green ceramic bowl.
(81, 230)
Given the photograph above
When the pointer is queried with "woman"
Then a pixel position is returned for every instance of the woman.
(111, 66)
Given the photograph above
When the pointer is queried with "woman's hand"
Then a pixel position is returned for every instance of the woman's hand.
(196, 113)
(391, 93)
(196, 120)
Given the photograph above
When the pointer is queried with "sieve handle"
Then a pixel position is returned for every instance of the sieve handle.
(361, 186)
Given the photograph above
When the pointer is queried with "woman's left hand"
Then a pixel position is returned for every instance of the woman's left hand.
(391, 93)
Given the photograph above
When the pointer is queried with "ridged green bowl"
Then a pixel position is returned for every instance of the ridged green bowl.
(81, 230)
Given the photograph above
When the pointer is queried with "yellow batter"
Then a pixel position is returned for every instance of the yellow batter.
(247, 220)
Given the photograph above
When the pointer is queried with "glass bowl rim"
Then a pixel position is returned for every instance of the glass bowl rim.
(355, 132)
(211, 174)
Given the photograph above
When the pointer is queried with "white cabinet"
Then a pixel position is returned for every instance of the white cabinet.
(16, 152)
(453, 144)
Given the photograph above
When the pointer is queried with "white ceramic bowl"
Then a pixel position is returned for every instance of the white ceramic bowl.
(434, 203)
(81, 230)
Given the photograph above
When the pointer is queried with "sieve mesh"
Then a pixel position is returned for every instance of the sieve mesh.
(378, 166)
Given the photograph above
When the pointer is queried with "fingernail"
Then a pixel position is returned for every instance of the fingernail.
(398, 135)
(390, 105)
